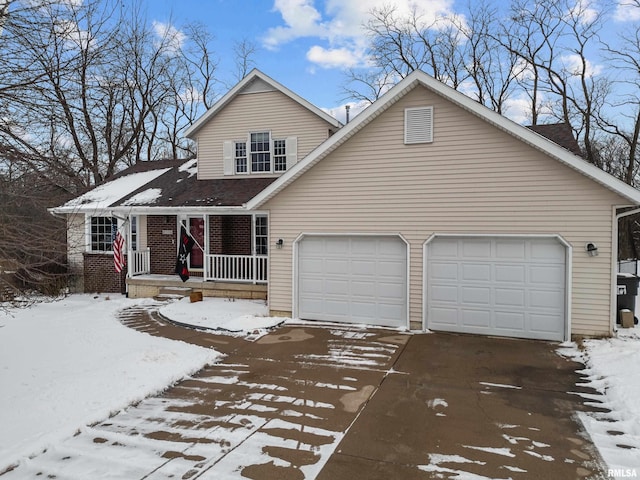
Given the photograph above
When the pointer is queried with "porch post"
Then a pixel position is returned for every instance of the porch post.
(254, 258)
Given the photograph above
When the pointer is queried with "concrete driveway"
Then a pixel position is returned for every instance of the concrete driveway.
(340, 402)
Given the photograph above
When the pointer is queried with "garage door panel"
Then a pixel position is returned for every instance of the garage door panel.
(334, 287)
(392, 269)
(476, 249)
(475, 318)
(389, 291)
(360, 267)
(510, 250)
(544, 323)
(363, 279)
(510, 297)
(547, 275)
(510, 321)
(476, 271)
(446, 317)
(510, 273)
(444, 271)
(544, 298)
(476, 295)
(547, 251)
(311, 285)
(444, 250)
(499, 286)
(444, 293)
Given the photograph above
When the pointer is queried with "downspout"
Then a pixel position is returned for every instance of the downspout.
(614, 264)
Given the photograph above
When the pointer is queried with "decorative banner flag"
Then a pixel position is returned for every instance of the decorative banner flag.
(118, 252)
(186, 244)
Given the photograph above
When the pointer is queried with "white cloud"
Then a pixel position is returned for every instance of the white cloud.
(340, 23)
(627, 11)
(573, 65)
(584, 12)
(340, 112)
(332, 57)
(170, 39)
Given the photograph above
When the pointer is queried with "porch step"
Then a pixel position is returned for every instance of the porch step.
(171, 293)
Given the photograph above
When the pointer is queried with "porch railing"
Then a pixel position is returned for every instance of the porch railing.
(236, 268)
(139, 262)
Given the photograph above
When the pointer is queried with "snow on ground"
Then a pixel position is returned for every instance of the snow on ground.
(227, 315)
(68, 363)
(612, 367)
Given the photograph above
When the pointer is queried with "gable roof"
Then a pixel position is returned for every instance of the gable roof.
(415, 79)
(165, 185)
(256, 81)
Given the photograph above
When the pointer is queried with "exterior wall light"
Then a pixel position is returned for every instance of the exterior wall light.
(591, 248)
(279, 243)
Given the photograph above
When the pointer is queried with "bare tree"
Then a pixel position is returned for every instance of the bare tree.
(244, 53)
(460, 51)
(624, 120)
(88, 87)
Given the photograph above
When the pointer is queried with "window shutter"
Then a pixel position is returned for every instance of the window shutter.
(418, 125)
(291, 146)
(227, 157)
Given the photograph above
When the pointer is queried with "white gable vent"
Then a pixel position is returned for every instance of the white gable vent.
(418, 125)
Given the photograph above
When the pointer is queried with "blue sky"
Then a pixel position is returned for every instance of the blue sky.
(307, 44)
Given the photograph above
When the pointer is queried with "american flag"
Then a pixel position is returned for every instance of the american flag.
(118, 252)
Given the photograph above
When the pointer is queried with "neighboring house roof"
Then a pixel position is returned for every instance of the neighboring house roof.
(164, 185)
(253, 82)
(560, 133)
(415, 79)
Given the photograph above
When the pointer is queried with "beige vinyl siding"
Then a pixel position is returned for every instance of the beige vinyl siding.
(257, 112)
(473, 178)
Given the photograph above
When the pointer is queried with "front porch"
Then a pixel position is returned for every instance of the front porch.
(228, 258)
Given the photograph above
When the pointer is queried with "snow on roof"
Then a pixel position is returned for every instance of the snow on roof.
(191, 167)
(109, 193)
(146, 197)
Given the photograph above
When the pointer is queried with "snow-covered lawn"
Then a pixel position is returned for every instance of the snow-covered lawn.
(612, 367)
(68, 363)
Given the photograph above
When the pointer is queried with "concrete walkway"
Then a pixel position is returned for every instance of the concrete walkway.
(343, 402)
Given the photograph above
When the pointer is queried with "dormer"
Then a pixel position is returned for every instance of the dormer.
(259, 128)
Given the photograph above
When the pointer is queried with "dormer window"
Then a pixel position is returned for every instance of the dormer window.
(259, 154)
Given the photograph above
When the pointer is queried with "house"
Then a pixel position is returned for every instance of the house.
(253, 134)
(426, 211)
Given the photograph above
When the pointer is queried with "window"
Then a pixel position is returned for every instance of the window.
(103, 232)
(262, 240)
(279, 155)
(133, 237)
(260, 152)
(241, 157)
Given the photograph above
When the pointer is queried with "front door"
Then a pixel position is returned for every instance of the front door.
(196, 229)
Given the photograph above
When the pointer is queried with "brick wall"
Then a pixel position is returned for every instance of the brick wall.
(100, 275)
(162, 245)
(230, 234)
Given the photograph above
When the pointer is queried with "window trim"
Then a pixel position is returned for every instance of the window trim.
(89, 233)
(236, 158)
(265, 236)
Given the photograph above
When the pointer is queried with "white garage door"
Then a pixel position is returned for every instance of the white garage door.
(511, 287)
(355, 279)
